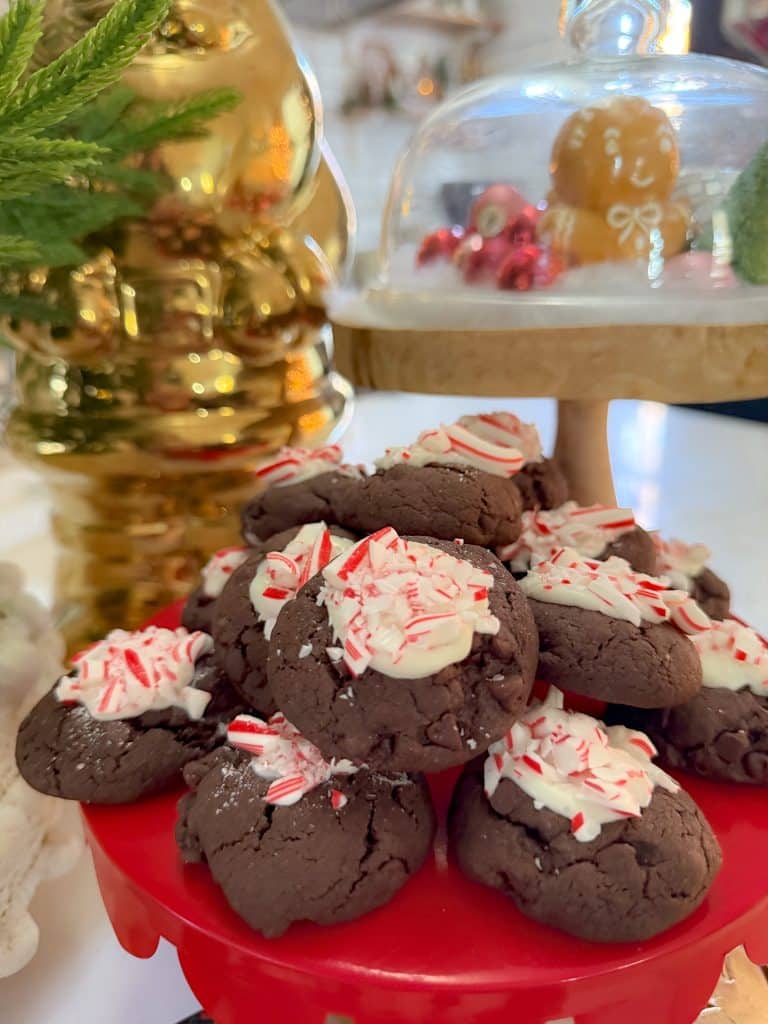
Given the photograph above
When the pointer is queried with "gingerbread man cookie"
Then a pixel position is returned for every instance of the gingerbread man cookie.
(614, 167)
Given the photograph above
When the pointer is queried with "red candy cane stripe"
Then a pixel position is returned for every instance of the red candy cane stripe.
(280, 754)
(611, 587)
(587, 530)
(466, 443)
(292, 465)
(574, 766)
(281, 574)
(404, 608)
(129, 674)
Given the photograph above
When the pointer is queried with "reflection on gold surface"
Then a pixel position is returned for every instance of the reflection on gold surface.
(201, 340)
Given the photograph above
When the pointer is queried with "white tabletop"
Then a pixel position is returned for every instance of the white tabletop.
(694, 475)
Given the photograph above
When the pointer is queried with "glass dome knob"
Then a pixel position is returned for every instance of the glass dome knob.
(615, 28)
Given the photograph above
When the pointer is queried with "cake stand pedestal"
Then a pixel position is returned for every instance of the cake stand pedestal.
(582, 367)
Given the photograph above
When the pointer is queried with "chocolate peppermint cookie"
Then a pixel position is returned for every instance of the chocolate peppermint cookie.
(722, 733)
(446, 502)
(290, 837)
(575, 824)
(197, 613)
(540, 481)
(406, 654)
(135, 710)
(685, 566)
(609, 633)
(253, 596)
(302, 486)
(594, 531)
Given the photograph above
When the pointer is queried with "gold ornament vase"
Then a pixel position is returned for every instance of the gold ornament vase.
(201, 343)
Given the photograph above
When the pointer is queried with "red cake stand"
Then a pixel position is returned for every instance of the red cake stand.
(444, 951)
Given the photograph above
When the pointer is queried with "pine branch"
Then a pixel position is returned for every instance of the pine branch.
(28, 165)
(96, 118)
(167, 122)
(20, 31)
(79, 74)
(33, 307)
(18, 251)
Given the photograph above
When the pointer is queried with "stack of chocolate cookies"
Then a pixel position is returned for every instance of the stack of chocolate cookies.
(378, 627)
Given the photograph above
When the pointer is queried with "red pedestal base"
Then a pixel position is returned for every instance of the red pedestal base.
(445, 951)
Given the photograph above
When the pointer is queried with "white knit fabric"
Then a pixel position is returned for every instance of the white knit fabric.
(35, 842)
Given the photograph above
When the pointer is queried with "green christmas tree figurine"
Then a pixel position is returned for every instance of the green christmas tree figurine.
(747, 210)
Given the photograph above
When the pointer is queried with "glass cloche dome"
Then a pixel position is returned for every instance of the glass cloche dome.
(623, 186)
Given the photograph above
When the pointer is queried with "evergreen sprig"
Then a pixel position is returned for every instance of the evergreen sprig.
(65, 181)
(95, 62)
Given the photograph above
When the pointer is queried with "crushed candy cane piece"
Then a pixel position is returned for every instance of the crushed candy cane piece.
(472, 441)
(614, 589)
(577, 767)
(282, 756)
(681, 563)
(295, 465)
(281, 574)
(129, 674)
(338, 800)
(219, 568)
(507, 430)
(733, 657)
(588, 529)
(405, 609)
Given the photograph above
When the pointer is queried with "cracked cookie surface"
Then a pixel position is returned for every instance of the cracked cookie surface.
(636, 879)
(240, 645)
(279, 508)
(651, 665)
(276, 865)
(719, 734)
(406, 724)
(62, 751)
(445, 502)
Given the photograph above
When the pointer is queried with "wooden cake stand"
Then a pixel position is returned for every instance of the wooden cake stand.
(582, 367)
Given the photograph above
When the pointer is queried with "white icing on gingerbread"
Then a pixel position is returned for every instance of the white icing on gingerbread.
(577, 767)
(405, 609)
(613, 589)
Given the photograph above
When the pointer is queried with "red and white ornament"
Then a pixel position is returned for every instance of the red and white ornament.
(219, 568)
(405, 609)
(577, 767)
(280, 754)
(614, 589)
(588, 529)
(129, 674)
(281, 574)
(733, 657)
